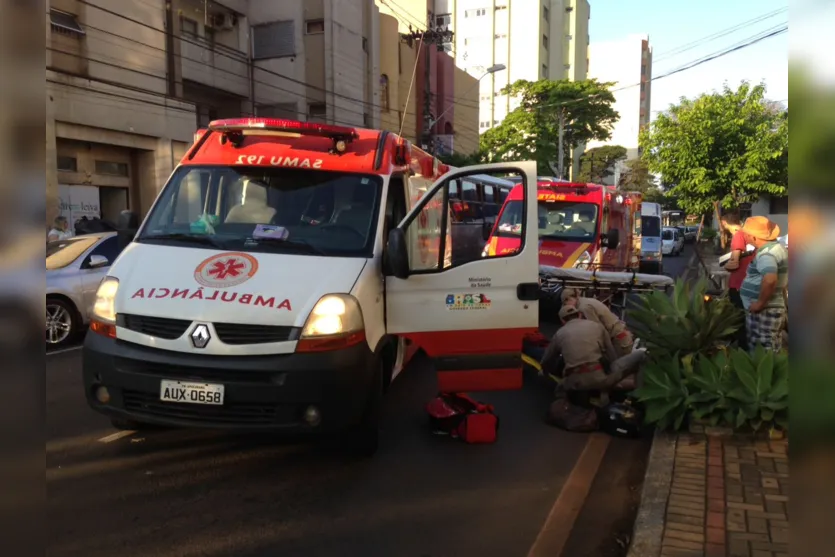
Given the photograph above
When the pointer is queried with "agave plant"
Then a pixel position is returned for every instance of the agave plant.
(686, 322)
(663, 393)
(730, 388)
(761, 394)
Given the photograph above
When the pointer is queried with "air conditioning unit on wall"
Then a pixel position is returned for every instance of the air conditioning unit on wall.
(224, 21)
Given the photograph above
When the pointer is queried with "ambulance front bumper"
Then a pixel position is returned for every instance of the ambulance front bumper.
(260, 393)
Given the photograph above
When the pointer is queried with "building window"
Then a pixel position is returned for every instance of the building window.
(569, 37)
(384, 92)
(67, 164)
(643, 87)
(365, 44)
(188, 27)
(65, 23)
(443, 20)
(569, 9)
(544, 70)
(545, 41)
(475, 13)
(314, 26)
(274, 40)
(778, 205)
(209, 36)
(282, 110)
(546, 13)
(501, 36)
(485, 97)
(567, 66)
(503, 7)
(484, 124)
(317, 111)
(366, 120)
(112, 168)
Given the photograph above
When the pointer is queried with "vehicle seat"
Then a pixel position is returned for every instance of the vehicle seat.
(254, 209)
(357, 214)
(584, 225)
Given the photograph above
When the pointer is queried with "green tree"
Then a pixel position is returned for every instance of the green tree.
(729, 146)
(598, 163)
(637, 177)
(459, 159)
(531, 131)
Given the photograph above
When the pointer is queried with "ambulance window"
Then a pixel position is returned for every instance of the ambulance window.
(434, 245)
(453, 190)
(489, 194)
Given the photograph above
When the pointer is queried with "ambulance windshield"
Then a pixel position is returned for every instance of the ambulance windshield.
(559, 220)
(273, 210)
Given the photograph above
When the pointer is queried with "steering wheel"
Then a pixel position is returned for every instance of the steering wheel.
(338, 226)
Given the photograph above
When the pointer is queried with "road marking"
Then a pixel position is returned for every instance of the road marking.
(64, 350)
(116, 436)
(555, 532)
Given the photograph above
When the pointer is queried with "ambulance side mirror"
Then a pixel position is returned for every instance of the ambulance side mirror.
(397, 254)
(611, 240)
(126, 228)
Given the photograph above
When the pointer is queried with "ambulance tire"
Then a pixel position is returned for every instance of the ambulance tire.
(365, 438)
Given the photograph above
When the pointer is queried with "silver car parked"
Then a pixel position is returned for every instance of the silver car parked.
(74, 269)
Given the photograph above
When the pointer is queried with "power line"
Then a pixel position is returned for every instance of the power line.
(722, 33)
(688, 66)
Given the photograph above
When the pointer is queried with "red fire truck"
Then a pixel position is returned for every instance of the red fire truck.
(581, 226)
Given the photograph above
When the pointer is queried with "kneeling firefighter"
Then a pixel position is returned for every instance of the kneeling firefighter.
(595, 310)
(586, 348)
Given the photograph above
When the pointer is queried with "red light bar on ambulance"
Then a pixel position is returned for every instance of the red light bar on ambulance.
(280, 125)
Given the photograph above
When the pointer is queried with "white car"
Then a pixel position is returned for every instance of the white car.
(672, 241)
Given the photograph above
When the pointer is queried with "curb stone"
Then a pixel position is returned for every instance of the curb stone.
(649, 523)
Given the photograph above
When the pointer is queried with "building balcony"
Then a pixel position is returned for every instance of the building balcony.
(215, 66)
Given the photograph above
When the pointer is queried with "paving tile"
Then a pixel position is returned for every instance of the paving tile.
(715, 550)
(683, 519)
(684, 527)
(686, 536)
(681, 544)
(757, 525)
(715, 535)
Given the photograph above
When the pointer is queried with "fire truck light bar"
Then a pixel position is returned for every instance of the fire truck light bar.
(280, 125)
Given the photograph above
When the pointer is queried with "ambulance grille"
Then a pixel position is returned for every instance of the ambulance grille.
(160, 327)
(228, 333)
(234, 333)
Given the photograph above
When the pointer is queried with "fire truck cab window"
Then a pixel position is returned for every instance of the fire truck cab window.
(557, 220)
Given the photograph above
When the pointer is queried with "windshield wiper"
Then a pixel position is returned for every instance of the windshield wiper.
(179, 236)
(301, 245)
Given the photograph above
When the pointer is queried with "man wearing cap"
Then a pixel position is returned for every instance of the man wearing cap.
(764, 284)
(595, 310)
(583, 344)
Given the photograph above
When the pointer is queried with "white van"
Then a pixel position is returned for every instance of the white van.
(286, 273)
(651, 256)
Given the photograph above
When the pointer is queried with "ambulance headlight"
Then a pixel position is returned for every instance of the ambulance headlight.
(583, 261)
(104, 307)
(334, 314)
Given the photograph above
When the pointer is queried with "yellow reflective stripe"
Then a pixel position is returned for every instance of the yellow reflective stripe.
(576, 255)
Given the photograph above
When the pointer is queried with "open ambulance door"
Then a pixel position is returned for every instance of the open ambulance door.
(471, 317)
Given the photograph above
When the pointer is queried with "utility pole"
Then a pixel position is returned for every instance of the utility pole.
(561, 147)
(432, 36)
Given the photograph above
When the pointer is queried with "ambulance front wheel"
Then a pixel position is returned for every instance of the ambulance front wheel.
(365, 439)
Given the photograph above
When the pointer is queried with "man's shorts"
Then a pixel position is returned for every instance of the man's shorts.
(765, 328)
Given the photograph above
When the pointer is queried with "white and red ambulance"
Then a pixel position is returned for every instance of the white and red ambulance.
(285, 274)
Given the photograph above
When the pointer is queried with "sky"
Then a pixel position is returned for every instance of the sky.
(671, 24)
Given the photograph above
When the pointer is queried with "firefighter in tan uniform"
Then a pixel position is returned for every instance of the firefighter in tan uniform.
(595, 310)
(584, 344)
(585, 347)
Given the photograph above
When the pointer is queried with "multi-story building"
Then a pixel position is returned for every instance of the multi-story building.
(129, 82)
(429, 88)
(628, 63)
(535, 39)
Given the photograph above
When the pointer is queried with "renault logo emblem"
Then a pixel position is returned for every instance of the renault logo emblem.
(200, 336)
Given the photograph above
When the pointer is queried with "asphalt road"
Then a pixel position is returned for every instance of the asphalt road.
(192, 492)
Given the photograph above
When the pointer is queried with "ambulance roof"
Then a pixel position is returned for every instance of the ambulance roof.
(575, 190)
(271, 142)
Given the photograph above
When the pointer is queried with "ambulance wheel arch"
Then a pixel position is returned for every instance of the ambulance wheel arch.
(469, 318)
